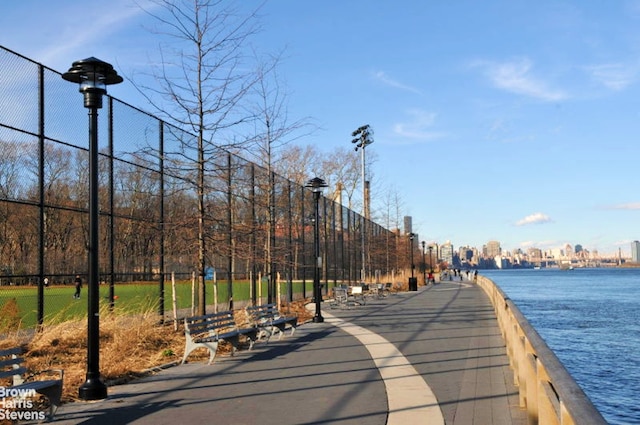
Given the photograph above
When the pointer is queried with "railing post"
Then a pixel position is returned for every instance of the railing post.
(531, 378)
(548, 402)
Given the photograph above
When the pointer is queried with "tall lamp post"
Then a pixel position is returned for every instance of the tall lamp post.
(93, 75)
(411, 237)
(413, 282)
(430, 259)
(316, 184)
(424, 264)
(363, 137)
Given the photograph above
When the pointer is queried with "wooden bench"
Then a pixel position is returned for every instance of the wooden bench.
(12, 367)
(208, 330)
(268, 320)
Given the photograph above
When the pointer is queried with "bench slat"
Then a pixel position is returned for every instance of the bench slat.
(8, 373)
(11, 361)
(14, 351)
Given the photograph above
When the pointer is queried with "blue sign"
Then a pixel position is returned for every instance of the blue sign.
(208, 273)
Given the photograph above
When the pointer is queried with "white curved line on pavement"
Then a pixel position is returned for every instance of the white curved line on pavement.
(410, 399)
(464, 286)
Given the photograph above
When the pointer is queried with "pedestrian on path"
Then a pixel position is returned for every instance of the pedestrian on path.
(78, 281)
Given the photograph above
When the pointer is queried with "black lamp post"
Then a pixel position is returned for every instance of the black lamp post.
(411, 236)
(413, 281)
(93, 75)
(424, 263)
(430, 260)
(316, 184)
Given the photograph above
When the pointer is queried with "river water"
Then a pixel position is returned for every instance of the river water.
(591, 319)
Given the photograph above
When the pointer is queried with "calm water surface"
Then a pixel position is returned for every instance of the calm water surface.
(591, 320)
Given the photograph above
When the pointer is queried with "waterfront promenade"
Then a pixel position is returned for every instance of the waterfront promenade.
(435, 356)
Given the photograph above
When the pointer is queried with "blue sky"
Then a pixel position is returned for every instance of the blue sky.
(508, 120)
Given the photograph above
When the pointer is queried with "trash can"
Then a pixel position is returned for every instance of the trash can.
(413, 283)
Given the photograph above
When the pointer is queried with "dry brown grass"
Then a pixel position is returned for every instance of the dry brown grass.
(129, 347)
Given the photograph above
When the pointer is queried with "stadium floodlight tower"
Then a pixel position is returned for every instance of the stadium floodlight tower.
(363, 137)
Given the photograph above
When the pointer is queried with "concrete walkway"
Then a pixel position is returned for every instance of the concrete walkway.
(433, 356)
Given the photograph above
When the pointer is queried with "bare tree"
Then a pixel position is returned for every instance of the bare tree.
(391, 213)
(295, 163)
(273, 129)
(198, 83)
(342, 166)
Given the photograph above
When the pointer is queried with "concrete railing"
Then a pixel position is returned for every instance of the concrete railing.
(547, 391)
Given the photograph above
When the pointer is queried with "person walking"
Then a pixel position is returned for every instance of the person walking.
(78, 281)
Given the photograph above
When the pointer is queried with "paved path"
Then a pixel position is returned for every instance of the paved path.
(433, 356)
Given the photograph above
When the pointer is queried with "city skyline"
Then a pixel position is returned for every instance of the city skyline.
(500, 120)
(494, 248)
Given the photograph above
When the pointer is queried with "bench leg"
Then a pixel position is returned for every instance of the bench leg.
(53, 394)
(211, 346)
(281, 329)
(235, 343)
(266, 333)
(253, 337)
(213, 349)
(54, 397)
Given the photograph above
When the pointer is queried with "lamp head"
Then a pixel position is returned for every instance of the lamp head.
(94, 76)
(316, 184)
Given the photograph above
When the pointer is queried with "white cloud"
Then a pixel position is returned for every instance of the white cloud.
(614, 76)
(385, 79)
(628, 206)
(515, 76)
(418, 126)
(69, 41)
(535, 218)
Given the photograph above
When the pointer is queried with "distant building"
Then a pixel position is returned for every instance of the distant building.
(635, 252)
(408, 224)
(492, 249)
(466, 254)
(446, 253)
(408, 229)
(534, 253)
(556, 253)
(568, 251)
(501, 262)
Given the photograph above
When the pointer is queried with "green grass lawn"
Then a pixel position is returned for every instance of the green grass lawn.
(59, 304)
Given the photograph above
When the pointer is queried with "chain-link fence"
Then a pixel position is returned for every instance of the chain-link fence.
(258, 226)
